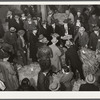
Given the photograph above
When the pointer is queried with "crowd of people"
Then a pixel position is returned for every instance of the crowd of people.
(54, 46)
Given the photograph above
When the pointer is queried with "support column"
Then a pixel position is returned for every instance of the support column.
(43, 12)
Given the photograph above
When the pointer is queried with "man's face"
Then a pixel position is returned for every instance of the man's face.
(36, 22)
(94, 16)
(67, 43)
(16, 17)
(65, 25)
(67, 12)
(53, 25)
(29, 19)
(34, 31)
(78, 13)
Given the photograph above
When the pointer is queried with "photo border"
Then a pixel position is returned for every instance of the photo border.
(52, 95)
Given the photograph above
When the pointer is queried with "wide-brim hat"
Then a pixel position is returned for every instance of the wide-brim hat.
(1, 41)
(21, 32)
(34, 28)
(9, 12)
(50, 12)
(67, 20)
(3, 55)
(12, 29)
(96, 28)
(67, 37)
(2, 85)
(44, 22)
(54, 21)
(90, 79)
(42, 39)
(54, 86)
(81, 29)
(55, 35)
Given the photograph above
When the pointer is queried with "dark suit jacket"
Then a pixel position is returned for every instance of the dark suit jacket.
(10, 22)
(56, 30)
(18, 26)
(73, 57)
(43, 82)
(88, 87)
(20, 45)
(93, 41)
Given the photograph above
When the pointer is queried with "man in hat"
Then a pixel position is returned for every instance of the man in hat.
(89, 85)
(55, 61)
(10, 19)
(44, 52)
(43, 29)
(53, 28)
(8, 72)
(69, 15)
(11, 39)
(94, 38)
(33, 44)
(79, 16)
(18, 23)
(93, 21)
(21, 46)
(73, 60)
(83, 37)
(50, 17)
(29, 25)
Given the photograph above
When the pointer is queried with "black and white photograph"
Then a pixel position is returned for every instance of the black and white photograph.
(49, 47)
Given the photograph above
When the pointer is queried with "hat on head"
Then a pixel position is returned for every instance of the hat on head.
(1, 41)
(67, 37)
(79, 10)
(81, 29)
(44, 22)
(2, 86)
(43, 39)
(66, 20)
(21, 32)
(54, 86)
(34, 18)
(12, 29)
(96, 28)
(34, 28)
(40, 37)
(3, 54)
(90, 79)
(55, 35)
(50, 12)
(54, 21)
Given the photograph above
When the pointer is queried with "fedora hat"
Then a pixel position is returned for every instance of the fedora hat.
(2, 85)
(40, 37)
(54, 86)
(12, 29)
(55, 35)
(50, 12)
(96, 28)
(21, 32)
(67, 37)
(54, 21)
(90, 79)
(44, 22)
(66, 20)
(1, 41)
